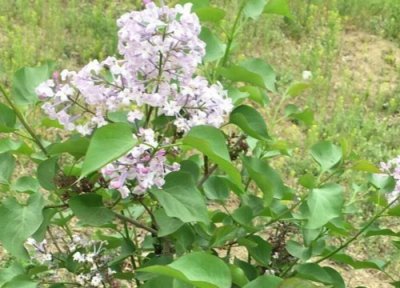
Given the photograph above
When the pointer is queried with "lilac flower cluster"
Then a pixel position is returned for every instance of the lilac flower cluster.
(81, 100)
(88, 254)
(161, 51)
(392, 168)
(144, 163)
(42, 253)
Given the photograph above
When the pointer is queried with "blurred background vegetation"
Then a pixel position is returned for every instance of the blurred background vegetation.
(352, 48)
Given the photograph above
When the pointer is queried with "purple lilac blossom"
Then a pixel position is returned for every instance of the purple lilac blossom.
(143, 164)
(392, 168)
(161, 51)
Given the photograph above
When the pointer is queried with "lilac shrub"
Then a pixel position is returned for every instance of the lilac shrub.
(163, 174)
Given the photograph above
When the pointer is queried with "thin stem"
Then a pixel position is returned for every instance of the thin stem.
(66, 227)
(247, 184)
(56, 206)
(362, 230)
(66, 283)
(153, 219)
(23, 122)
(54, 240)
(206, 176)
(135, 223)
(231, 36)
(128, 237)
(288, 268)
(205, 165)
(22, 135)
(280, 216)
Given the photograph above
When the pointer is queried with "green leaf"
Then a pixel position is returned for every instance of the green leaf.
(308, 181)
(238, 276)
(383, 182)
(265, 281)
(297, 250)
(26, 184)
(216, 188)
(306, 117)
(210, 14)
(90, 210)
(324, 204)
(237, 96)
(14, 146)
(215, 49)
(157, 282)
(250, 270)
(7, 274)
(75, 146)
(279, 7)
(40, 233)
(240, 74)
(297, 88)
(107, 144)
(168, 225)
(18, 222)
(261, 252)
(46, 173)
(265, 177)
(7, 166)
(378, 232)
(314, 272)
(256, 94)
(8, 119)
(223, 234)
(365, 166)
(263, 70)
(181, 199)
(244, 216)
(27, 79)
(369, 264)
(191, 167)
(211, 142)
(326, 154)
(197, 4)
(198, 269)
(250, 121)
(395, 211)
(20, 281)
(254, 8)
(8, 145)
(296, 283)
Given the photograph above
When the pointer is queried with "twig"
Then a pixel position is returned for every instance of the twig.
(23, 122)
(135, 223)
(362, 230)
(206, 176)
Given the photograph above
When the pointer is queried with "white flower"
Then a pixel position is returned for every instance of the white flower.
(90, 257)
(31, 241)
(47, 257)
(307, 75)
(79, 257)
(269, 272)
(96, 280)
(135, 115)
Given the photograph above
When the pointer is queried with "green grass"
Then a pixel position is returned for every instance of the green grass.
(69, 32)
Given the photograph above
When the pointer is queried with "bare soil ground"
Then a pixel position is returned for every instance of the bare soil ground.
(371, 62)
